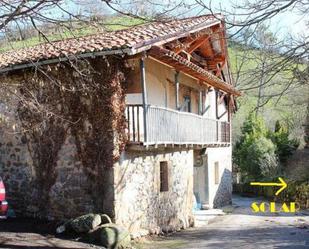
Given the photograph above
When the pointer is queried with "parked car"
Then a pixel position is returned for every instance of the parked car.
(3, 202)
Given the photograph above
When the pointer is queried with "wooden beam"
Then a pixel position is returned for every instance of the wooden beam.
(207, 50)
(200, 103)
(181, 64)
(177, 90)
(144, 94)
(200, 60)
(229, 106)
(185, 45)
(197, 44)
(222, 98)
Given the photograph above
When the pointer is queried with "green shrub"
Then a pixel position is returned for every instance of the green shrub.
(259, 151)
(285, 146)
(297, 192)
(255, 153)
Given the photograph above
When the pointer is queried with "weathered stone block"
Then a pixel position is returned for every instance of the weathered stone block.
(111, 236)
(85, 223)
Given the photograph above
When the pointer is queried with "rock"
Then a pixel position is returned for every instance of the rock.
(60, 229)
(105, 219)
(85, 223)
(111, 236)
(141, 233)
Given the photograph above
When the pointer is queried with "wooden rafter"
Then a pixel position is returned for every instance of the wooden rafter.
(219, 70)
(186, 43)
(207, 50)
(222, 98)
(202, 61)
(181, 64)
(195, 45)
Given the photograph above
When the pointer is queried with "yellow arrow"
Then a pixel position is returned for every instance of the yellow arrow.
(282, 184)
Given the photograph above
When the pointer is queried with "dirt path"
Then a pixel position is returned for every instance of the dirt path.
(242, 229)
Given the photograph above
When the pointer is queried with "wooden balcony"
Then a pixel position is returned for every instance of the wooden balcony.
(170, 127)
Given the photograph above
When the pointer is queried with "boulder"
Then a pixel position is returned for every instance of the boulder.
(105, 219)
(111, 236)
(85, 223)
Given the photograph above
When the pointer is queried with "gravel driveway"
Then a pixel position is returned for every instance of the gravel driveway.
(242, 229)
(239, 229)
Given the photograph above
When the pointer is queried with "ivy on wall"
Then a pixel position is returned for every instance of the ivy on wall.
(84, 100)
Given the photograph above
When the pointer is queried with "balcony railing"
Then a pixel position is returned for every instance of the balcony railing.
(167, 126)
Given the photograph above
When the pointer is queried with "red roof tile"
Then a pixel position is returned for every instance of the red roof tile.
(130, 41)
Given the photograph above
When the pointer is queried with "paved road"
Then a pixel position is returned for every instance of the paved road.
(242, 229)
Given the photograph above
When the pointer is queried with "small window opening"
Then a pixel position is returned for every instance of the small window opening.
(163, 176)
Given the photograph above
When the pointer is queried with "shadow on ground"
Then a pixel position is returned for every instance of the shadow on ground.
(284, 237)
(26, 225)
(34, 233)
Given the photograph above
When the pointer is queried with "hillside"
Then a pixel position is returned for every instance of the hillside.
(283, 103)
(30, 36)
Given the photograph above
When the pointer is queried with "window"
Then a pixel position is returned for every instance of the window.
(216, 172)
(163, 176)
(187, 103)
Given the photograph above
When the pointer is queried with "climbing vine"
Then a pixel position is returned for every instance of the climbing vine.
(84, 101)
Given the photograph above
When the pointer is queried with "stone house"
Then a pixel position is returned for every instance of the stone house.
(133, 123)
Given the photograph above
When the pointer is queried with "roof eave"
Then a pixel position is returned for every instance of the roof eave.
(65, 58)
(186, 66)
(138, 48)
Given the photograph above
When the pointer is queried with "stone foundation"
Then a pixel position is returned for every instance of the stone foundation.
(69, 196)
(139, 204)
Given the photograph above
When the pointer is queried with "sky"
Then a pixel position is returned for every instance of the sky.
(289, 22)
(283, 24)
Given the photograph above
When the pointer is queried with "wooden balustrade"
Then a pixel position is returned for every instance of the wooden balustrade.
(167, 126)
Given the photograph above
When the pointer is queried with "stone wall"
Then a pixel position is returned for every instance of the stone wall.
(210, 192)
(139, 204)
(220, 194)
(69, 195)
(15, 160)
(60, 134)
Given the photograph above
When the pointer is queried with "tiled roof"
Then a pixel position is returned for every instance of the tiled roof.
(130, 41)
